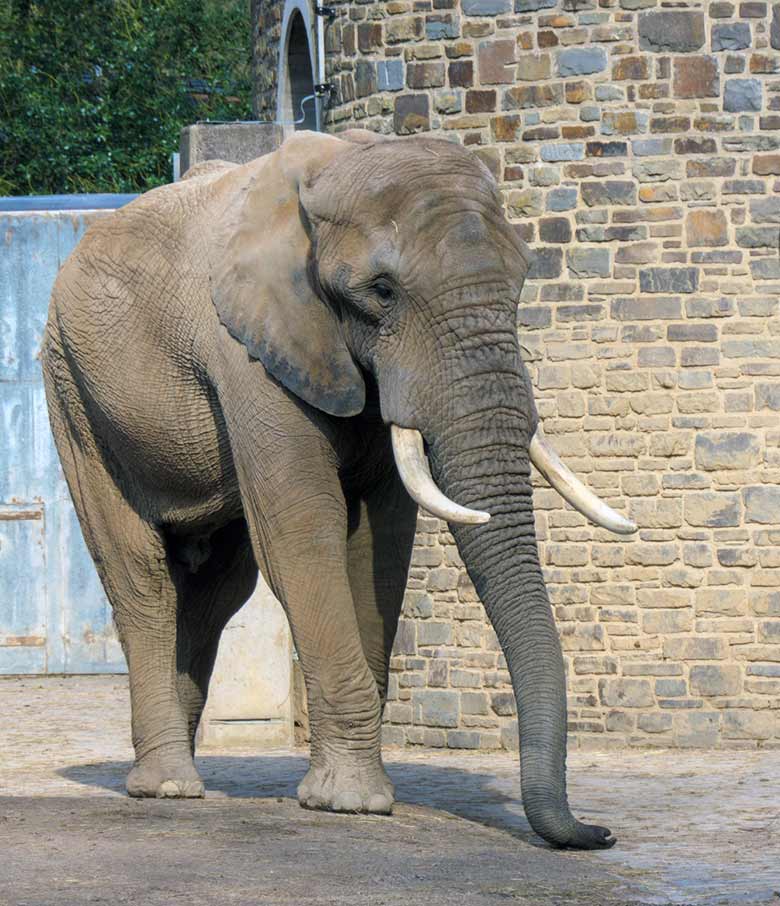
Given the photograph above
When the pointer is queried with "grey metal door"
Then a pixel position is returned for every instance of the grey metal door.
(54, 617)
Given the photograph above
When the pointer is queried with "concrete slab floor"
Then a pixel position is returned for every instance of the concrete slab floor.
(693, 827)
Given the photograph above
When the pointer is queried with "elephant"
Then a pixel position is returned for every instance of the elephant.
(270, 366)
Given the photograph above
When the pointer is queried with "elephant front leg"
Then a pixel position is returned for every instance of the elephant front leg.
(382, 524)
(346, 772)
(298, 524)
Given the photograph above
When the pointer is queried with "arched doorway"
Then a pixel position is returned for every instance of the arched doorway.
(296, 71)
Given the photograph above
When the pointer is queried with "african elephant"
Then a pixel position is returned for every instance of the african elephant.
(270, 366)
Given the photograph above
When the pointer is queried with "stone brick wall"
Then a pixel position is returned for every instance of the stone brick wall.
(266, 34)
(639, 152)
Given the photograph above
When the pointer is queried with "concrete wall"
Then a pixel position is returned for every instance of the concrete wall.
(638, 149)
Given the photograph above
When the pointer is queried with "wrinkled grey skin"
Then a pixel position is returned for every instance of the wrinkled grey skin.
(223, 359)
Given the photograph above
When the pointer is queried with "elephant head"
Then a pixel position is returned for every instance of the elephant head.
(393, 266)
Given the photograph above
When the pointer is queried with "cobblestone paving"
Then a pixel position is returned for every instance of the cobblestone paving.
(693, 827)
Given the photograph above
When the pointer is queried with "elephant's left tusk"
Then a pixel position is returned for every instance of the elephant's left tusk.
(416, 476)
(572, 489)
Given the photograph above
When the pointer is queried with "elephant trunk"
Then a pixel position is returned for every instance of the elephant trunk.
(480, 458)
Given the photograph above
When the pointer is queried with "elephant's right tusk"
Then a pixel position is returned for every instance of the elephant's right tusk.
(416, 476)
(572, 489)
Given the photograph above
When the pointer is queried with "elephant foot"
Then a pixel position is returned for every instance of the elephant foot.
(160, 776)
(340, 785)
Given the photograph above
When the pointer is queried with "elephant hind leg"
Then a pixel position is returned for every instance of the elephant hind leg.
(211, 589)
(132, 561)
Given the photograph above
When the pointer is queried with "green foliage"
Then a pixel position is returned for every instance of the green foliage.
(94, 93)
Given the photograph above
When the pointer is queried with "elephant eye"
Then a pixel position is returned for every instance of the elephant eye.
(383, 290)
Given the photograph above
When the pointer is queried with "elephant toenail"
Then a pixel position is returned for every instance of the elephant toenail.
(347, 802)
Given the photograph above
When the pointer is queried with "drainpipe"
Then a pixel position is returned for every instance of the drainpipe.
(322, 89)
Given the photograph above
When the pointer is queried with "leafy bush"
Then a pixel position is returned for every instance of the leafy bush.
(94, 93)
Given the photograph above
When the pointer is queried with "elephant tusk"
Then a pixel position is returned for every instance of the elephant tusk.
(573, 490)
(416, 476)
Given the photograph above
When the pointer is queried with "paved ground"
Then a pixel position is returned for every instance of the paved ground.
(692, 827)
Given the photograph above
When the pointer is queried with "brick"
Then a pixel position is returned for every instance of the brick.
(713, 509)
(644, 309)
(365, 78)
(713, 166)
(698, 648)
(757, 237)
(731, 36)
(692, 333)
(721, 10)
(496, 61)
(429, 74)
(402, 29)
(623, 122)
(533, 67)
(555, 229)
(670, 124)
(768, 396)
(461, 73)
(766, 164)
(637, 253)
(765, 210)
(631, 68)
(667, 622)
(696, 77)
(626, 693)
(654, 723)
(506, 128)
(727, 450)
(650, 147)
(762, 504)
(588, 262)
(652, 170)
(706, 228)
(369, 36)
(695, 145)
(523, 96)
(390, 75)
(430, 632)
(411, 114)
(485, 7)
(546, 264)
(606, 149)
(436, 708)
(608, 192)
(675, 31)
(651, 554)
(720, 602)
(441, 25)
(562, 152)
(668, 280)
(480, 101)
(670, 688)
(577, 92)
(696, 730)
(744, 724)
(563, 199)
(742, 95)
(576, 61)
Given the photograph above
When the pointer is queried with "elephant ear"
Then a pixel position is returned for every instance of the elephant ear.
(263, 284)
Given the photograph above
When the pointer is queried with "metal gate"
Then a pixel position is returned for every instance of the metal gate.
(54, 617)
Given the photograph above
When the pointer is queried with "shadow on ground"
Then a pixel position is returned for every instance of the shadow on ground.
(467, 794)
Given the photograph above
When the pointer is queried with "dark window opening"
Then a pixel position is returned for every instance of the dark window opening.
(300, 80)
